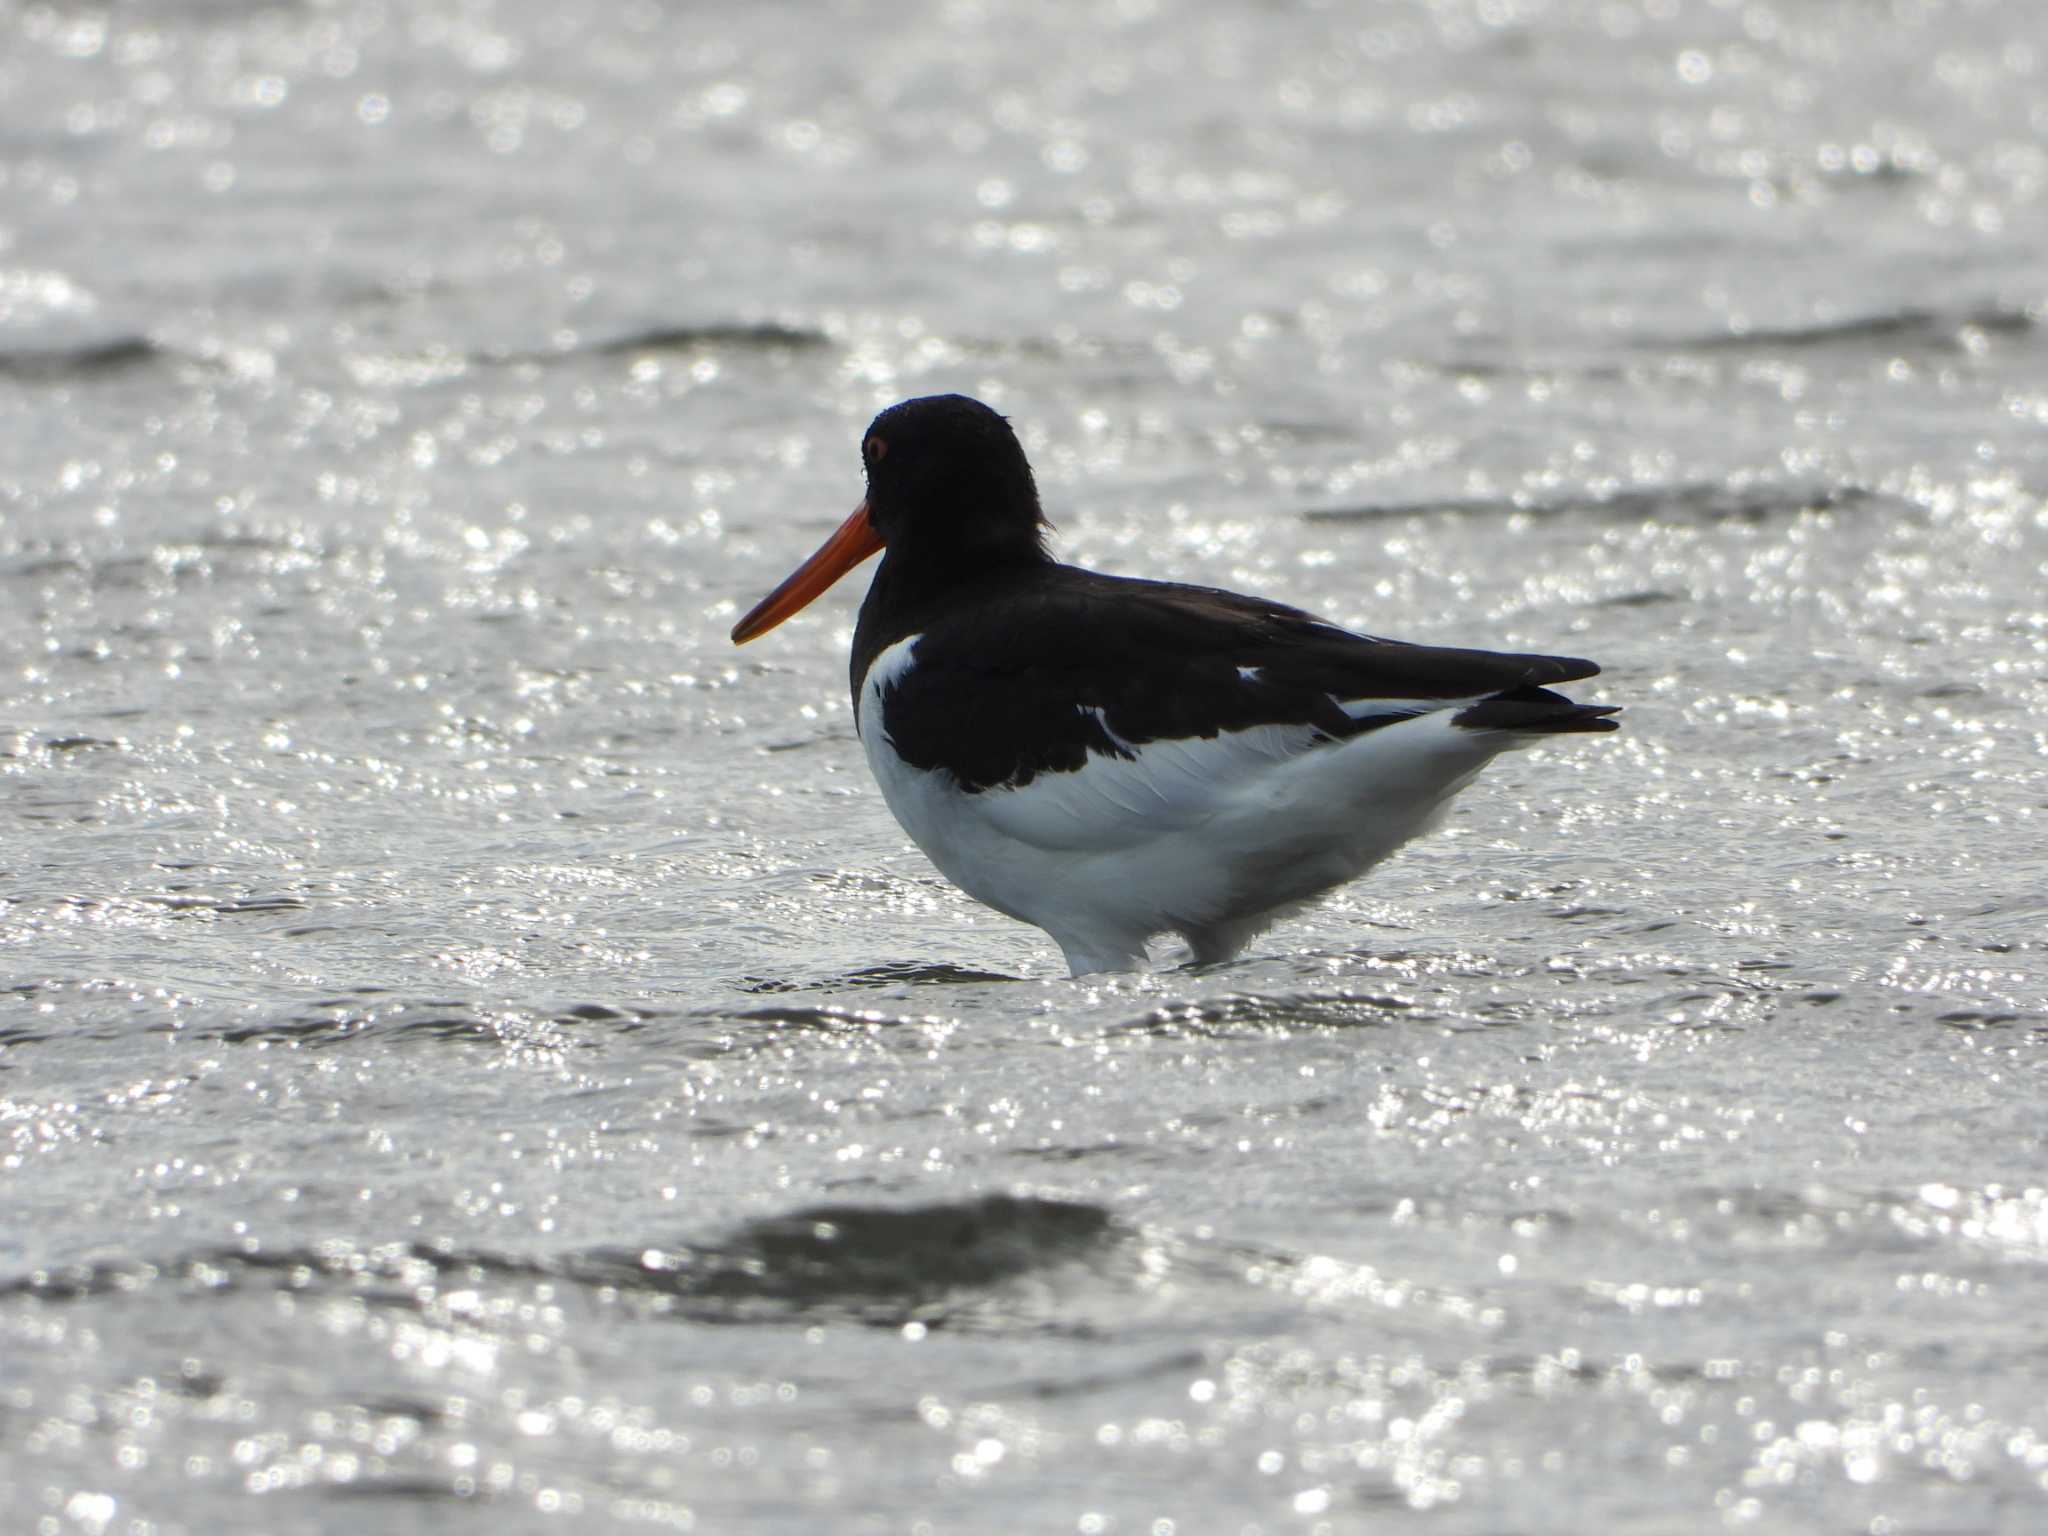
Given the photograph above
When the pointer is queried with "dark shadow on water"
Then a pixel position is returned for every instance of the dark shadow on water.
(943, 1264)
(841, 1257)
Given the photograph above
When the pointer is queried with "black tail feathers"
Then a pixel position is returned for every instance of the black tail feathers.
(1537, 711)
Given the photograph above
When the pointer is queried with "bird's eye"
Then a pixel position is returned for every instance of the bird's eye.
(874, 448)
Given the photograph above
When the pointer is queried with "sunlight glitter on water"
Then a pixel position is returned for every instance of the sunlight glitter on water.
(449, 996)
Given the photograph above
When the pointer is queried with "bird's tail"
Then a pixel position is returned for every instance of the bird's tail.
(1535, 711)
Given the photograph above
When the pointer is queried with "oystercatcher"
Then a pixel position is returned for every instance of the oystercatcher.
(1112, 759)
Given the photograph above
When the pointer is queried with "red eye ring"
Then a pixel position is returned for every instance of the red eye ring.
(875, 449)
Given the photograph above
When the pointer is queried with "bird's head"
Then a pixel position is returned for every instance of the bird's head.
(948, 488)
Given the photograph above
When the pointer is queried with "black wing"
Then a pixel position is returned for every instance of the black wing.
(1044, 673)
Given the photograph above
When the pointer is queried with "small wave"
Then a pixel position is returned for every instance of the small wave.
(827, 1020)
(399, 1270)
(1242, 1013)
(1972, 1020)
(441, 363)
(83, 360)
(1396, 511)
(1699, 502)
(894, 973)
(603, 1013)
(226, 906)
(401, 1490)
(764, 336)
(1927, 329)
(1647, 597)
(675, 338)
(372, 1014)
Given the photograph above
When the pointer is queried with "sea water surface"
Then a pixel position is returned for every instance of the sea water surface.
(475, 1052)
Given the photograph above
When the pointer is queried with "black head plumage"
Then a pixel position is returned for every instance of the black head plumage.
(948, 480)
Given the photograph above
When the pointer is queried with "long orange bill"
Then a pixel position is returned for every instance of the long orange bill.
(854, 541)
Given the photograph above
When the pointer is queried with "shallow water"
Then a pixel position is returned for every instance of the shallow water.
(474, 1050)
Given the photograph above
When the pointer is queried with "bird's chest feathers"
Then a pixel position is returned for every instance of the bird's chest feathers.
(951, 824)
(958, 829)
(914, 795)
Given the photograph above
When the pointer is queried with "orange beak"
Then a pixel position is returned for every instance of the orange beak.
(854, 541)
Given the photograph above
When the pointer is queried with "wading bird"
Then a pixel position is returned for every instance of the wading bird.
(1110, 758)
